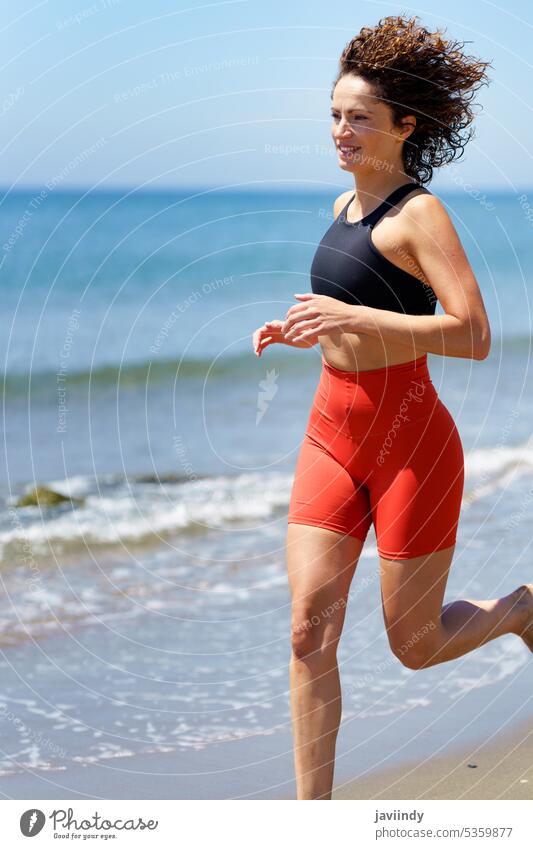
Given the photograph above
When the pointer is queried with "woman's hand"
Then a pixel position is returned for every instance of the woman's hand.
(320, 315)
(271, 332)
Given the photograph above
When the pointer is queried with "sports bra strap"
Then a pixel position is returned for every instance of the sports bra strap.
(395, 197)
(373, 217)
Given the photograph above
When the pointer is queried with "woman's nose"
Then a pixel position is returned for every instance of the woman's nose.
(342, 129)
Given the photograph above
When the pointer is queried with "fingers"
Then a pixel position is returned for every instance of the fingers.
(265, 341)
(303, 312)
(260, 340)
(300, 327)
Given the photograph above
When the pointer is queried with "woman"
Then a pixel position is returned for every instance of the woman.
(380, 445)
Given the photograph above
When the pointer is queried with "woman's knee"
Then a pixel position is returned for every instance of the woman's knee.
(304, 640)
(417, 649)
(315, 632)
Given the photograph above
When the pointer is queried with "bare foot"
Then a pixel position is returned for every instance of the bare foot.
(524, 605)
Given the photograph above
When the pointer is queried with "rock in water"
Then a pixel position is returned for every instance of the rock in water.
(41, 496)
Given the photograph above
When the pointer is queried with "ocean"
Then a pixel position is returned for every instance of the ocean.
(152, 615)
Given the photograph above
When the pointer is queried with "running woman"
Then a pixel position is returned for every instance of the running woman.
(380, 447)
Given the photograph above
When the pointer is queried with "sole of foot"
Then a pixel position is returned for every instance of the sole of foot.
(525, 605)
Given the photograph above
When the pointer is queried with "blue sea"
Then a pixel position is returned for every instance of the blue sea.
(151, 617)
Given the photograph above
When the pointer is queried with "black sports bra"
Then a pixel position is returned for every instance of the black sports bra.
(349, 267)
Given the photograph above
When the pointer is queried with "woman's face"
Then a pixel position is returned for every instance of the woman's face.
(362, 129)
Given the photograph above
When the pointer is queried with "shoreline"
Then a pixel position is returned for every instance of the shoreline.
(421, 752)
(492, 768)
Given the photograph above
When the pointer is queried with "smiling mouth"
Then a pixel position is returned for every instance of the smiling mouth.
(346, 151)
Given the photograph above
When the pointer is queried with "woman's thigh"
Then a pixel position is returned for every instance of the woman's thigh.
(412, 593)
(416, 501)
(321, 564)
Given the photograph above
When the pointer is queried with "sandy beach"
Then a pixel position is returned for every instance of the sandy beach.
(499, 769)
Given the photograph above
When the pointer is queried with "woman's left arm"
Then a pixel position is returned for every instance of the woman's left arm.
(430, 237)
(464, 330)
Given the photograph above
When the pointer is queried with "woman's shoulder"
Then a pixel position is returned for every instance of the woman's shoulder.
(424, 206)
(341, 202)
(420, 206)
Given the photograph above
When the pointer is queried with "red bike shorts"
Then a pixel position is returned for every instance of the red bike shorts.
(381, 448)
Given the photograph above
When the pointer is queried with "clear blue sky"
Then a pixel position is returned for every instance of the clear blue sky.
(172, 94)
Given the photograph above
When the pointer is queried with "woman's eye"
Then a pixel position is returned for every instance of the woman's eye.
(354, 118)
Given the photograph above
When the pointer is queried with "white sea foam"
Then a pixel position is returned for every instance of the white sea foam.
(119, 512)
(129, 513)
(132, 513)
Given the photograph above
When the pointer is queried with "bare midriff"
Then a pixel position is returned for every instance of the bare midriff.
(361, 352)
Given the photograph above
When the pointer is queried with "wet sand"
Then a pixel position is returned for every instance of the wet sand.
(420, 752)
(500, 768)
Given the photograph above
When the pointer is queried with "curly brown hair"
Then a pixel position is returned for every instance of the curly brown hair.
(417, 72)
